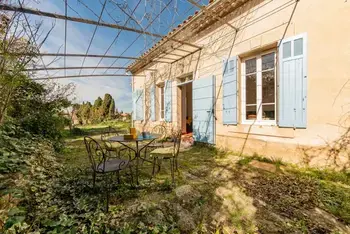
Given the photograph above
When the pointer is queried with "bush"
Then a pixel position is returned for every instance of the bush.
(77, 132)
(36, 108)
(23, 158)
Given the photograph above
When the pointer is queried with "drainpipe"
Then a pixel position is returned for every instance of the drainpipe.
(132, 90)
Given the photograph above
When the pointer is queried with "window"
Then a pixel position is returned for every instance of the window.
(259, 89)
(161, 95)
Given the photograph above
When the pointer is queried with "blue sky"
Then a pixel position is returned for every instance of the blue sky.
(79, 36)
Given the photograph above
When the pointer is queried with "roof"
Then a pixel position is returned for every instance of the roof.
(195, 23)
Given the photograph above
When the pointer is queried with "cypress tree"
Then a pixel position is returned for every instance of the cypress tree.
(96, 109)
(106, 104)
(111, 112)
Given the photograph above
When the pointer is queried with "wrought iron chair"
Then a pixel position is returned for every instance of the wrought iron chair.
(159, 130)
(101, 164)
(168, 153)
(112, 147)
(159, 143)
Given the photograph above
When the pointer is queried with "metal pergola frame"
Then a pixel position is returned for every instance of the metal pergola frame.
(162, 59)
(74, 68)
(6, 7)
(188, 25)
(93, 75)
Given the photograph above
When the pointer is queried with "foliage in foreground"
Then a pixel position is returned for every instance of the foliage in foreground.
(36, 109)
(24, 161)
(37, 194)
(47, 196)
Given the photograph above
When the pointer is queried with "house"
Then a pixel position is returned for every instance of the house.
(125, 116)
(253, 76)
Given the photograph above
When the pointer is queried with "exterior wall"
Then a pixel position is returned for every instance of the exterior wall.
(261, 25)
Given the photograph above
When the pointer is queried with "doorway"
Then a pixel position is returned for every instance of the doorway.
(186, 118)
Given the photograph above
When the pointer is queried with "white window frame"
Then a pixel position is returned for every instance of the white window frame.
(259, 120)
(161, 87)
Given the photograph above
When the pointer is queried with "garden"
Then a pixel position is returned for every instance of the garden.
(214, 192)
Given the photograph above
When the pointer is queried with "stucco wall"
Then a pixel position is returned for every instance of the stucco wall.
(261, 25)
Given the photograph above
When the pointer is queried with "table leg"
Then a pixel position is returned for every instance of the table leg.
(137, 155)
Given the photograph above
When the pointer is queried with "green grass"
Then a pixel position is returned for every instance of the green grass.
(325, 174)
(245, 160)
(288, 195)
(336, 199)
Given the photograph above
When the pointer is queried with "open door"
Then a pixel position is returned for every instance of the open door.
(203, 110)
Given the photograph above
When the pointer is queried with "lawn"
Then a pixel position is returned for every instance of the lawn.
(215, 192)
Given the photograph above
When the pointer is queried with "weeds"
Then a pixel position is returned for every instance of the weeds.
(336, 200)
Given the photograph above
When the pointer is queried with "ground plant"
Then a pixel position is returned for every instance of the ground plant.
(215, 192)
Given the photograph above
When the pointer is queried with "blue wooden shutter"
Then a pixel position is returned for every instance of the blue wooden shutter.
(153, 103)
(167, 101)
(139, 104)
(229, 102)
(293, 82)
(203, 110)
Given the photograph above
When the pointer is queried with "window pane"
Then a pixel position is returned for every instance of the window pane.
(250, 66)
(268, 112)
(287, 49)
(268, 86)
(268, 61)
(251, 112)
(298, 47)
(250, 89)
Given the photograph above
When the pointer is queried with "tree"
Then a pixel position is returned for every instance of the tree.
(96, 109)
(98, 102)
(86, 112)
(107, 101)
(111, 113)
(37, 109)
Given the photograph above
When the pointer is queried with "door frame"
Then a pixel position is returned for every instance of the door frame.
(183, 102)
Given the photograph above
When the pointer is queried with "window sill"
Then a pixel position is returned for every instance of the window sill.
(259, 123)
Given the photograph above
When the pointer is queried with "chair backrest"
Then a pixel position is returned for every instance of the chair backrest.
(107, 134)
(160, 130)
(176, 134)
(95, 153)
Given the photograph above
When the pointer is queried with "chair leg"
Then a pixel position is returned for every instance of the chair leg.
(154, 166)
(176, 164)
(94, 179)
(172, 167)
(118, 177)
(159, 164)
(108, 183)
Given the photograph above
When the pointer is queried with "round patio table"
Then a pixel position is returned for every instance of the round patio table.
(145, 142)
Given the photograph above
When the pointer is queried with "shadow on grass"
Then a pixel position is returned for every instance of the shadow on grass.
(216, 192)
(95, 129)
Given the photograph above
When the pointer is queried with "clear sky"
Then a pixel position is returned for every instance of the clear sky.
(79, 35)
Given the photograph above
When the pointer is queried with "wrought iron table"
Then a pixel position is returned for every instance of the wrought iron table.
(146, 141)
